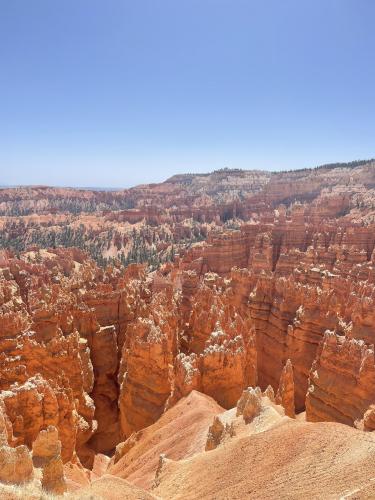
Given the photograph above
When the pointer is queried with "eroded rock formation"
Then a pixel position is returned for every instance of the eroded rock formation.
(269, 282)
(47, 456)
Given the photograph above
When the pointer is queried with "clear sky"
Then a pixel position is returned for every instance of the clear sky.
(119, 92)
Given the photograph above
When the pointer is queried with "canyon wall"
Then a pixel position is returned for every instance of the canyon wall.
(282, 299)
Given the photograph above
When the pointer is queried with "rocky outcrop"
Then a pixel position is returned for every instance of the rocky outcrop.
(254, 413)
(368, 419)
(45, 384)
(249, 405)
(285, 392)
(16, 466)
(218, 338)
(46, 372)
(342, 382)
(47, 457)
(186, 378)
(224, 369)
(100, 353)
(224, 251)
(146, 365)
(216, 433)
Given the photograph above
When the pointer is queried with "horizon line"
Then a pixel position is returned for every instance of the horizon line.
(352, 164)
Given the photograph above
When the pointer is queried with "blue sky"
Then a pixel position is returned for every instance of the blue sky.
(118, 92)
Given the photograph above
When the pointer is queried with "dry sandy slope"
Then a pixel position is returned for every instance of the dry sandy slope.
(111, 488)
(293, 460)
(179, 433)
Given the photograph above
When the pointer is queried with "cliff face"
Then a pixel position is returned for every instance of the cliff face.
(342, 382)
(152, 223)
(146, 362)
(108, 351)
(46, 372)
(283, 300)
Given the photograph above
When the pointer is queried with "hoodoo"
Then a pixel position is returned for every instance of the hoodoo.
(212, 337)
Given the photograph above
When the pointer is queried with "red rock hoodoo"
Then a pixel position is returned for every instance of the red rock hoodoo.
(218, 290)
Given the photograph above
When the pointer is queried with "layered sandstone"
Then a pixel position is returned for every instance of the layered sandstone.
(147, 360)
(342, 382)
(280, 294)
